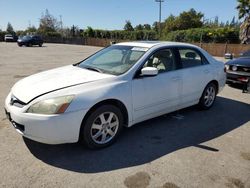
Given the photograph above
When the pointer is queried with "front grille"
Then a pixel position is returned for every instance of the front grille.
(240, 68)
(16, 102)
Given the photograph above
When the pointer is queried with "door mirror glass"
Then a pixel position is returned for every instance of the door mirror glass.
(149, 71)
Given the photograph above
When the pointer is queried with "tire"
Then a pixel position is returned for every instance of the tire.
(102, 127)
(40, 45)
(208, 97)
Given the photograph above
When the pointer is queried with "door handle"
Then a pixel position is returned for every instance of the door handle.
(176, 78)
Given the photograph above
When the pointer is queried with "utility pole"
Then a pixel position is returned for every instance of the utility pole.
(61, 24)
(159, 1)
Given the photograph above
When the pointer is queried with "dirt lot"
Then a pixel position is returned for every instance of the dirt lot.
(190, 148)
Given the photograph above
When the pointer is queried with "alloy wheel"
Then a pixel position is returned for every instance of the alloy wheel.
(104, 127)
(209, 96)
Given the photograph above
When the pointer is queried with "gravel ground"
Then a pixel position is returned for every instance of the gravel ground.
(189, 148)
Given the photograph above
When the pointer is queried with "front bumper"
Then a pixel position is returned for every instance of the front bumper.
(237, 78)
(49, 129)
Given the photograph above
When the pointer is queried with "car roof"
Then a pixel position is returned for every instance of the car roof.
(150, 44)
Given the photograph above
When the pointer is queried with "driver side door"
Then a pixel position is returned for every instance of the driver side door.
(156, 95)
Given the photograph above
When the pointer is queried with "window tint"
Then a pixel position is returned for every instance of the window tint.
(191, 58)
(163, 60)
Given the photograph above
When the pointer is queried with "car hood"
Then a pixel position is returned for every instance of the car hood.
(243, 61)
(52, 80)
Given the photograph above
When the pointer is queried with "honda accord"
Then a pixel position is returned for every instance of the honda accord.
(121, 85)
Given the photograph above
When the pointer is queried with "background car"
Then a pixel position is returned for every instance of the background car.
(121, 85)
(30, 40)
(238, 70)
(10, 38)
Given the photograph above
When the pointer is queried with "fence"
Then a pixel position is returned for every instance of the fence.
(215, 49)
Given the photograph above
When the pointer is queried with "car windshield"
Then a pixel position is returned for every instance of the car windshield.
(26, 37)
(116, 59)
(246, 54)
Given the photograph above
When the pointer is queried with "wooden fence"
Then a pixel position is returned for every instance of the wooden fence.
(215, 49)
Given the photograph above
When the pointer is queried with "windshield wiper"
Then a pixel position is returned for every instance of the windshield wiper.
(92, 68)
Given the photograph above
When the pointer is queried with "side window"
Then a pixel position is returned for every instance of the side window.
(163, 60)
(191, 58)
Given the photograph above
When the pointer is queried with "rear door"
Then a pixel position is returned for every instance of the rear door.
(196, 74)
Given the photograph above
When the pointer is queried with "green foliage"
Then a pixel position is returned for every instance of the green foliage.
(89, 32)
(139, 27)
(10, 29)
(243, 8)
(186, 20)
(216, 35)
(147, 27)
(48, 23)
(31, 30)
(128, 26)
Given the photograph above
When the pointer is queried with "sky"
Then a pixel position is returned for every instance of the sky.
(107, 14)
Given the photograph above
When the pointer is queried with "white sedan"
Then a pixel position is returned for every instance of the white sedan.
(118, 86)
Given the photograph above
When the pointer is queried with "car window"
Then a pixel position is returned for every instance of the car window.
(110, 57)
(163, 60)
(191, 58)
(115, 59)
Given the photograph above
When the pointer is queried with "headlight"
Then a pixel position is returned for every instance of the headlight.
(56, 105)
(227, 67)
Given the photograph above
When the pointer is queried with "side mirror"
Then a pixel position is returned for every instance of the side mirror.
(149, 71)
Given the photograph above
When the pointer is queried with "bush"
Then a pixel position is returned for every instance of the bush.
(216, 35)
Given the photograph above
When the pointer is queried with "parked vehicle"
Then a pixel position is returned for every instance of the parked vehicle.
(118, 86)
(10, 38)
(228, 56)
(238, 70)
(30, 40)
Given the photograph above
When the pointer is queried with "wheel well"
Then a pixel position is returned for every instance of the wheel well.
(114, 102)
(216, 84)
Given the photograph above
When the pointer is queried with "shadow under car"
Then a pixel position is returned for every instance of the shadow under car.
(149, 140)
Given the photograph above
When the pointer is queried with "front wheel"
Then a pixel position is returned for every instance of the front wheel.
(208, 96)
(101, 127)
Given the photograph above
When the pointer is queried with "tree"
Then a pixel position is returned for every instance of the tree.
(155, 26)
(243, 8)
(147, 27)
(189, 19)
(233, 23)
(48, 23)
(128, 26)
(139, 27)
(9, 28)
(186, 20)
(89, 32)
(170, 24)
(244, 12)
(31, 29)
